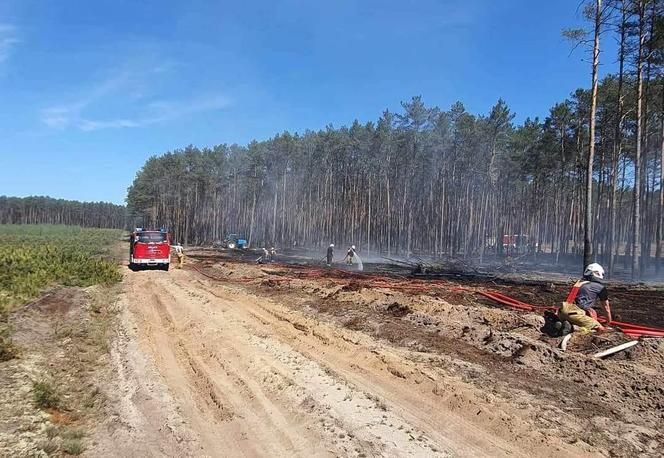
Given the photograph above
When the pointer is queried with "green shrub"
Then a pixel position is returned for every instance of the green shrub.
(44, 395)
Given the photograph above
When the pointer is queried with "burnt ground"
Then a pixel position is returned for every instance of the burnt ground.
(638, 303)
(614, 406)
(630, 303)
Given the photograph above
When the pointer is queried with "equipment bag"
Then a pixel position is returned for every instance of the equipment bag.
(554, 326)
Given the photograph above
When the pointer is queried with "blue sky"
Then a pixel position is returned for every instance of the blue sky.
(90, 89)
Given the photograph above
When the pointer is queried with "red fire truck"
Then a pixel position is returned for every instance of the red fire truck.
(515, 244)
(149, 248)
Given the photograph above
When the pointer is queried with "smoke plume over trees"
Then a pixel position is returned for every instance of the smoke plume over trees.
(445, 181)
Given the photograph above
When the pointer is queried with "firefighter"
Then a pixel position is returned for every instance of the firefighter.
(350, 254)
(578, 307)
(330, 254)
(179, 252)
(265, 257)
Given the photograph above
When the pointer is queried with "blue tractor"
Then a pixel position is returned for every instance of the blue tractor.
(233, 241)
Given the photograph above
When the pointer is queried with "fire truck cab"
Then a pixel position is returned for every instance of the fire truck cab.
(149, 248)
(515, 244)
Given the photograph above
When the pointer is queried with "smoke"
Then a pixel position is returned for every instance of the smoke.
(360, 265)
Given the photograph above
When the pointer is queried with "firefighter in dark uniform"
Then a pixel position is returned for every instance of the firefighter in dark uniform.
(578, 307)
(330, 254)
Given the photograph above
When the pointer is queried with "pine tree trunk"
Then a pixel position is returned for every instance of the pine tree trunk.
(587, 229)
(660, 208)
(636, 223)
(617, 147)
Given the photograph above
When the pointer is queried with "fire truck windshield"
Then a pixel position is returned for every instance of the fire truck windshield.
(147, 237)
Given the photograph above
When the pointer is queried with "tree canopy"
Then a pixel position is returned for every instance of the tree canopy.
(437, 181)
(47, 210)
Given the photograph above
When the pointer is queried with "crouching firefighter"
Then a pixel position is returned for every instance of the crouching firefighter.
(578, 307)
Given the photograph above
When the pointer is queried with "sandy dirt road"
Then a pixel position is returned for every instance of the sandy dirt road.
(213, 370)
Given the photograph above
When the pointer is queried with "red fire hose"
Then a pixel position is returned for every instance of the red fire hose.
(630, 329)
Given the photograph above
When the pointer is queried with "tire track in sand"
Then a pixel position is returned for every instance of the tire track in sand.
(254, 378)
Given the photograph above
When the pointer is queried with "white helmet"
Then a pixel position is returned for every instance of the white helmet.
(331, 245)
(353, 247)
(594, 269)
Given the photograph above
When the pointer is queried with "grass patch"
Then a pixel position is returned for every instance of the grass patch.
(52, 431)
(71, 440)
(63, 332)
(73, 446)
(48, 446)
(72, 433)
(91, 398)
(100, 334)
(7, 348)
(103, 311)
(44, 395)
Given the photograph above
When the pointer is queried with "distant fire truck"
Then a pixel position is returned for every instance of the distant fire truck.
(149, 248)
(515, 244)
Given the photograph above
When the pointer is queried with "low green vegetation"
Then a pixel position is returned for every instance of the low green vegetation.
(49, 447)
(66, 439)
(7, 349)
(73, 446)
(36, 257)
(45, 395)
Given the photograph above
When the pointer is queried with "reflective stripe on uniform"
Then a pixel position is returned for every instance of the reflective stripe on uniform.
(571, 297)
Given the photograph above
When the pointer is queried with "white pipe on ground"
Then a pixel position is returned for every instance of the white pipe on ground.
(615, 349)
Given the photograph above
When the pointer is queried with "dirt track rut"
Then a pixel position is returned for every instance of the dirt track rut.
(210, 370)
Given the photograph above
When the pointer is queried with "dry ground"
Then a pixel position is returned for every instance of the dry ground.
(258, 367)
(51, 394)
(258, 362)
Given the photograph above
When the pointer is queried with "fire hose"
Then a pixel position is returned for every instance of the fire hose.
(630, 329)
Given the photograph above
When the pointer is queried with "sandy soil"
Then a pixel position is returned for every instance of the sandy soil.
(62, 342)
(209, 368)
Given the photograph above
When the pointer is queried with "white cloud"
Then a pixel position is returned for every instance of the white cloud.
(123, 88)
(56, 117)
(8, 41)
(87, 125)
